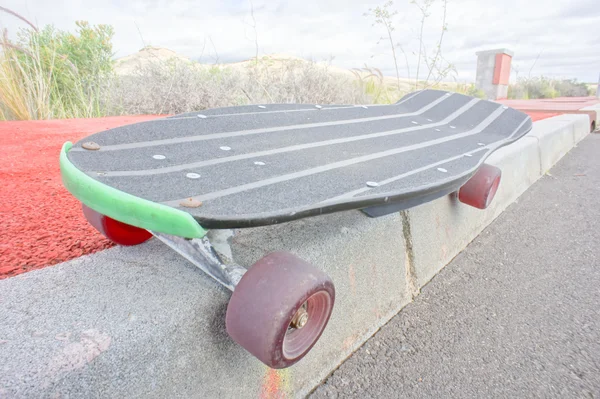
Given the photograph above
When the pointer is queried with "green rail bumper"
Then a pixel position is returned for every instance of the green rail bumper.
(125, 207)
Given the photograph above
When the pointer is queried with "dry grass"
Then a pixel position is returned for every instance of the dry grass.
(178, 86)
(24, 84)
(48, 73)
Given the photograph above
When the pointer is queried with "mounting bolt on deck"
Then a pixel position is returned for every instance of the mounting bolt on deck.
(90, 145)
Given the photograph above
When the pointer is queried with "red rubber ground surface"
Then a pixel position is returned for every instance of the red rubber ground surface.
(538, 116)
(41, 224)
(559, 104)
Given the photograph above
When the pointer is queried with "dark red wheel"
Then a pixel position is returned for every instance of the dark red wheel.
(480, 190)
(280, 308)
(118, 232)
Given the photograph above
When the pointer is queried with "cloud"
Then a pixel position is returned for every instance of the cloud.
(561, 32)
(582, 9)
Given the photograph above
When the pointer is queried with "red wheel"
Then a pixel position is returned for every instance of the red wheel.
(118, 232)
(279, 309)
(480, 190)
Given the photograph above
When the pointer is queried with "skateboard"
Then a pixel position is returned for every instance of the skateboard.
(240, 167)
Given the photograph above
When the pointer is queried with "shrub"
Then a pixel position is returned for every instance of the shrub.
(173, 87)
(374, 85)
(300, 81)
(542, 87)
(571, 88)
(469, 89)
(178, 86)
(50, 73)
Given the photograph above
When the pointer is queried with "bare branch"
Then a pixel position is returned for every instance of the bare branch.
(383, 16)
(534, 62)
(215, 49)
(6, 10)
(439, 45)
(255, 32)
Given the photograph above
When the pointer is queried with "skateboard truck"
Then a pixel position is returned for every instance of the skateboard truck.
(201, 253)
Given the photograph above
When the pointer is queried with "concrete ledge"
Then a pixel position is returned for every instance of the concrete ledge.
(442, 228)
(578, 122)
(143, 322)
(555, 138)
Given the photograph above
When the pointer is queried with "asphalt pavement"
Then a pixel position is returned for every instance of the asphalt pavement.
(516, 314)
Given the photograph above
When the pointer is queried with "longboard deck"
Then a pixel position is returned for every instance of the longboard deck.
(257, 165)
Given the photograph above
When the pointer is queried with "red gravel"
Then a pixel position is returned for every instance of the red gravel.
(41, 224)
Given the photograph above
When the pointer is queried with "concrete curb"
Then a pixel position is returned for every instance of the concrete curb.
(143, 322)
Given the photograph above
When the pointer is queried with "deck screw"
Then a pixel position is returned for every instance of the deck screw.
(190, 203)
(90, 145)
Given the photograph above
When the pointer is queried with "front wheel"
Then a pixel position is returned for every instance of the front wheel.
(118, 232)
(280, 308)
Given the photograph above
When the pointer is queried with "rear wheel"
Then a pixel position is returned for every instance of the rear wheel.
(118, 232)
(480, 190)
(280, 308)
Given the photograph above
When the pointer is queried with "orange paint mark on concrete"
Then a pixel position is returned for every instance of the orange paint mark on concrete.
(377, 312)
(276, 384)
(448, 232)
(77, 355)
(444, 252)
(373, 277)
(352, 279)
(348, 343)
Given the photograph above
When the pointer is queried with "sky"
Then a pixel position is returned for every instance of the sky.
(554, 38)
